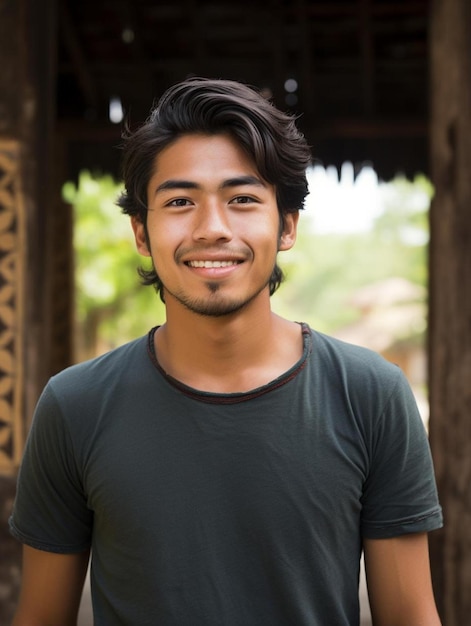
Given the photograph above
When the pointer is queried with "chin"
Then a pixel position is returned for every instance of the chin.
(215, 309)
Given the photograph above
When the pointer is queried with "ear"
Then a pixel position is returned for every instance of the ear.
(140, 235)
(288, 234)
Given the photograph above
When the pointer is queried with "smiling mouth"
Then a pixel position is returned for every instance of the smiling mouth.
(211, 264)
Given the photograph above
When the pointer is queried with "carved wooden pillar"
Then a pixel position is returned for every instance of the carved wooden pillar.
(12, 428)
(27, 184)
(12, 271)
(450, 302)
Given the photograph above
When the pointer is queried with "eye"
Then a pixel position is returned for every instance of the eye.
(178, 202)
(243, 200)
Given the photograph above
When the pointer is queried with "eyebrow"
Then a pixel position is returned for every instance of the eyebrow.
(240, 181)
(237, 181)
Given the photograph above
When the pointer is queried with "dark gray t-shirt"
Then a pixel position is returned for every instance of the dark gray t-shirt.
(242, 509)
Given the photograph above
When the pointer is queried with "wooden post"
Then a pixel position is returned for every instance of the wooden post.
(450, 302)
(27, 51)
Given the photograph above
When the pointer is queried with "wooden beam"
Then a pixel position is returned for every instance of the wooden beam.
(366, 45)
(306, 61)
(329, 9)
(71, 41)
(360, 128)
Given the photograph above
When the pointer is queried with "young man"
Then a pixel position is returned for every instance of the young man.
(229, 468)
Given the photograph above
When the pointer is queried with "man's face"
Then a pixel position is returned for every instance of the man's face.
(213, 226)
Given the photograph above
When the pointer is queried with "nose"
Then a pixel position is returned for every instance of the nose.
(212, 223)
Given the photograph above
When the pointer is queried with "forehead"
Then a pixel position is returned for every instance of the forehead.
(197, 152)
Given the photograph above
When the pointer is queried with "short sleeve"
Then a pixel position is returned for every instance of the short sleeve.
(50, 511)
(400, 494)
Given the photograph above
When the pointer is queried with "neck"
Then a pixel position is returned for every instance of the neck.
(227, 354)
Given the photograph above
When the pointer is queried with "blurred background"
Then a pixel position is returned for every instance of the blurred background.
(383, 94)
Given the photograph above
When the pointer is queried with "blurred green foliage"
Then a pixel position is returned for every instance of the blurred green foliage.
(323, 271)
(111, 304)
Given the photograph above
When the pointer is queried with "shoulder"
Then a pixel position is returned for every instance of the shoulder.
(83, 386)
(92, 392)
(360, 378)
(352, 361)
(102, 370)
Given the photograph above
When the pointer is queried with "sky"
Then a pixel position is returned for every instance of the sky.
(342, 204)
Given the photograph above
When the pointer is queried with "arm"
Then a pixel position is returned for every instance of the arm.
(399, 581)
(51, 588)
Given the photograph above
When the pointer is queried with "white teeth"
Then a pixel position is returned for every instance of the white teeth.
(210, 264)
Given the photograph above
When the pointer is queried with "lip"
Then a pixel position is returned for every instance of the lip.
(214, 256)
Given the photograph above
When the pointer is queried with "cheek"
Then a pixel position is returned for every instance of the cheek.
(263, 226)
(268, 232)
(163, 233)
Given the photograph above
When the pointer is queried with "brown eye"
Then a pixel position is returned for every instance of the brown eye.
(243, 200)
(179, 202)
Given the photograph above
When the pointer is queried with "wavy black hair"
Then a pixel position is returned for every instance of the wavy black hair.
(215, 106)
